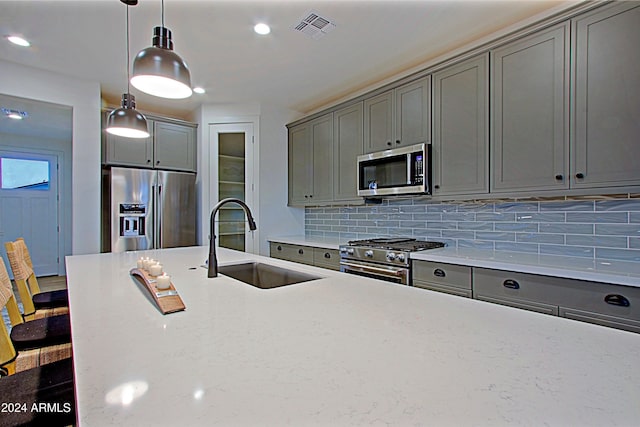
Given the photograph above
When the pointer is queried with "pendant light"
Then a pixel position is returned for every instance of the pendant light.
(126, 121)
(158, 70)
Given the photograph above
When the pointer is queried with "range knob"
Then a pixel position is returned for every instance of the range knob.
(369, 253)
(391, 256)
(400, 257)
(351, 251)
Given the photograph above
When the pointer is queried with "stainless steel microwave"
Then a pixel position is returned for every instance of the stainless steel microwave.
(403, 170)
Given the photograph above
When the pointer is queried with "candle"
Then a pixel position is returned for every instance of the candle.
(163, 282)
(155, 269)
(140, 263)
(148, 262)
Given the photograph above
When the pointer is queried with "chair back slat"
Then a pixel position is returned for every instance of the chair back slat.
(21, 273)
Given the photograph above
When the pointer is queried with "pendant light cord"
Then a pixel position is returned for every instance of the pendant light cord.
(128, 59)
(162, 12)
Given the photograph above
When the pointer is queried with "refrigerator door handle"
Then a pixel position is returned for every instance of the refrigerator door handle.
(159, 207)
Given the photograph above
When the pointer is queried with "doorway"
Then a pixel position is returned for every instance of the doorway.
(231, 157)
(29, 195)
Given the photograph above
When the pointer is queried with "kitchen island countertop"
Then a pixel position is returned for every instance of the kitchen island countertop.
(341, 350)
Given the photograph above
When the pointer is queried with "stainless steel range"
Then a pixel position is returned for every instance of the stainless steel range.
(384, 258)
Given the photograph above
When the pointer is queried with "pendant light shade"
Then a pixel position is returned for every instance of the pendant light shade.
(126, 121)
(159, 71)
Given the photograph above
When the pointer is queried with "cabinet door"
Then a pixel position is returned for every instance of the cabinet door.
(413, 113)
(300, 165)
(530, 112)
(175, 146)
(129, 151)
(321, 130)
(460, 128)
(378, 122)
(606, 147)
(348, 145)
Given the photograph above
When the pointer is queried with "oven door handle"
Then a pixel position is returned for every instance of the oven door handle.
(389, 271)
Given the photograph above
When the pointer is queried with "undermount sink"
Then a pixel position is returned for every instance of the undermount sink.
(264, 276)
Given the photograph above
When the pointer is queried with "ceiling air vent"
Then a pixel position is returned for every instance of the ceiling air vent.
(314, 25)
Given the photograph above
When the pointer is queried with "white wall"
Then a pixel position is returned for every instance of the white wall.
(273, 216)
(84, 97)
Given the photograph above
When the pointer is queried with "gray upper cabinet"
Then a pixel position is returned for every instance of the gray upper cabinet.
(378, 122)
(606, 144)
(311, 162)
(300, 159)
(121, 151)
(398, 117)
(530, 105)
(175, 146)
(348, 145)
(460, 128)
(171, 146)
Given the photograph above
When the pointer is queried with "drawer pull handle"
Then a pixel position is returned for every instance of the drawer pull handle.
(615, 299)
(279, 248)
(439, 273)
(327, 255)
(300, 251)
(511, 284)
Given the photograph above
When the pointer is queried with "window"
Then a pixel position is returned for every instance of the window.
(24, 174)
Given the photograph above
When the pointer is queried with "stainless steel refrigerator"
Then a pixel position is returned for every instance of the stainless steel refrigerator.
(147, 209)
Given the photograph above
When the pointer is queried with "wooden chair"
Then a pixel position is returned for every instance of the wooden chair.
(37, 304)
(30, 344)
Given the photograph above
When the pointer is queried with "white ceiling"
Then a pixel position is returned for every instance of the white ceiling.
(372, 41)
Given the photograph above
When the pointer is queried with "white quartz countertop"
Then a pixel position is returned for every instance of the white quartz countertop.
(607, 271)
(341, 350)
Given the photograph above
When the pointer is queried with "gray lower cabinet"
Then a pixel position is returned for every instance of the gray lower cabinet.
(348, 145)
(530, 119)
(449, 278)
(461, 128)
(311, 162)
(170, 146)
(604, 304)
(319, 257)
(606, 53)
(398, 117)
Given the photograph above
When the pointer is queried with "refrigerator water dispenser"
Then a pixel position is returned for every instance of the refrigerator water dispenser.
(132, 219)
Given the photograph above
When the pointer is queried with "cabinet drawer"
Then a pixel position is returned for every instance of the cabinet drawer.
(454, 290)
(522, 304)
(301, 254)
(519, 286)
(458, 276)
(601, 319)
(604, 299)
(326, 258)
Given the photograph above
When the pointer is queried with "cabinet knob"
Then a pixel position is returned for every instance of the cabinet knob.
(511, 284)
(389, 143)
(439, 273)
(148, 160)
(279, 248)
(436, 186)
(157, 162)
(616, 299)
(327, 255)
(301, 251)
(559, 177)
(397, 141)
(579, 175)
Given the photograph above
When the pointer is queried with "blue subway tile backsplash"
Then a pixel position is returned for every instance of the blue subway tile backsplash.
(601, 229)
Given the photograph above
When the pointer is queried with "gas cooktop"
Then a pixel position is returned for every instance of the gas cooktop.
(397, 244)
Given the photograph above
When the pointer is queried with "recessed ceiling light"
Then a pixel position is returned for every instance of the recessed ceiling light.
(262, 29)
(199, 90)
(18, 41)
